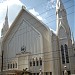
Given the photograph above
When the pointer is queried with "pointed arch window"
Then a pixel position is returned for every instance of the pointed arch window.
(40, 61)
(62, 53)
(30, 63)
(37, 62)
(66, 54)
(13, 65)
(33, 62)
(8, 66)
(60, 14)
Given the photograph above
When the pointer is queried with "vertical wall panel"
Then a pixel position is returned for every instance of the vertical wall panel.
(25, 35)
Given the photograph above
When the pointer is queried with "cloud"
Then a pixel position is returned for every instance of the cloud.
(14, 7)
(52, 1)
(53, 30)
(12, 4)
(8, 3)
(35, 13)
(51, 4)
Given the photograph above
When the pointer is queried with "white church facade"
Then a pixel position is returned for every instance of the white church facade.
(30, 45)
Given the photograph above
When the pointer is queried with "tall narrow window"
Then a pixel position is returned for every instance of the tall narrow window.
(13, 65)
(30, 63)
(50, 73)
(66, 54)
(37, 63)
(62, 52)
(8, 66)
(37, 73)
(40, 61)
(46, 73)
(33, 62)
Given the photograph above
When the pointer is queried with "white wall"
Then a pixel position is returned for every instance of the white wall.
(25, 35)
(32, 33)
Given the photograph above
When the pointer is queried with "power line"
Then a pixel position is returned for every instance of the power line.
(54, 14)
(37, 6)
(40, 26)
(48, 16)
(57, 19)
(47, 60)
(51, 9)
(40, 21)
(69, 49)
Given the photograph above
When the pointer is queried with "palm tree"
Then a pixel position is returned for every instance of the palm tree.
(24, 71)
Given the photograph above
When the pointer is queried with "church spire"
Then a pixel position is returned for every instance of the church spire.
(61, 18)
(5, 25)
(60, 10)
(59, 5)
(6, 17)
(6, 14)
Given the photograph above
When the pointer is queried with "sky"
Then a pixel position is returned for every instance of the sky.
(42, 9)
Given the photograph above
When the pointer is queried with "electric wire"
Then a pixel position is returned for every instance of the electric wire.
(38, 27)
(48, 52)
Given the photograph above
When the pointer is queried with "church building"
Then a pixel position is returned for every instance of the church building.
(30, 47)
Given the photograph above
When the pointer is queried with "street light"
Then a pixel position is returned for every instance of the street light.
(40, 73)
(65, 70)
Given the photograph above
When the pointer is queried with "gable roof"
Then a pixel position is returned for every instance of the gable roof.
(20, 13)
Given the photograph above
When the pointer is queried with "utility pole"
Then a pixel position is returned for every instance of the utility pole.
(2, 63)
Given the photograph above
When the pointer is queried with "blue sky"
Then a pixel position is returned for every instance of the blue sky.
(43, 9)
(46, 8)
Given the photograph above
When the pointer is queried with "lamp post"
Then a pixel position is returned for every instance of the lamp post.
(65, 70)
(2, 63)
(40, 73)
(24, 71)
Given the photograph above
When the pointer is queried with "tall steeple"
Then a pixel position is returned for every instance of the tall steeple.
(5, 25)
(62, 18)
(6, 17)
(59, 5)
